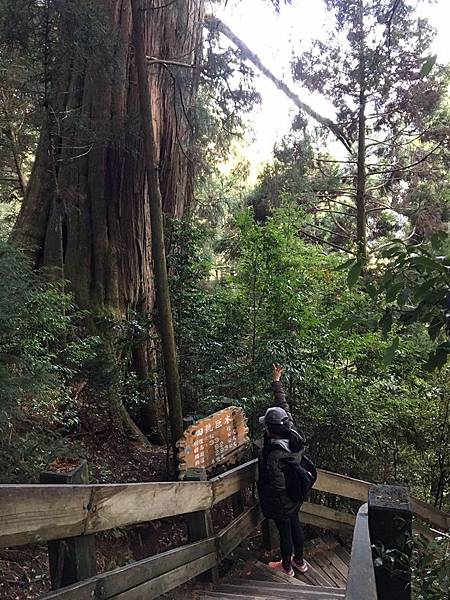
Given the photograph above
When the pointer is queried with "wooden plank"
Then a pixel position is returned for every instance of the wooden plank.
(343, 554)
(434, 516)
(250, 584)
(327, 518)
(315, 574)
(341, 485)
(317, 595)
(333, 573)
(325, 576)
(116, 506)
(327, 513)
(107, 585)
(273, 574)
(37, 513)
(164, 583)
(232, 535)
(278, 591)
(200, 524)
(338, 563)
(234, 480)
(361, 576)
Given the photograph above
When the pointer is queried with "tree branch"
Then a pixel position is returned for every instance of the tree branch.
(410, 166)
(152, 60)
(322, 241)
(216, 24)
(342, 235)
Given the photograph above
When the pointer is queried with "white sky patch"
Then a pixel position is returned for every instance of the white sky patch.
(275, 38)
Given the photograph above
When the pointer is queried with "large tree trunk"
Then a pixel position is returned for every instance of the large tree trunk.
(86, 214)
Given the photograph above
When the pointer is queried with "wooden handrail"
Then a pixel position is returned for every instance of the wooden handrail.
(361, 575)
(37, 513)
(159, 574)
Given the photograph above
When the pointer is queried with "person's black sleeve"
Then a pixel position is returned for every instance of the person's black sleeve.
(279, 395)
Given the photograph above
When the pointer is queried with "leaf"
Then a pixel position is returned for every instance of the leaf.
(354, 273)
(393, 290)
(427, 65)
(429, 264)
(390, 351)
(437, 239)
(378, 562)
(436, 360)
(345, 265)
(435, 326)
(335, 323)
(386, 322)
(372, 291)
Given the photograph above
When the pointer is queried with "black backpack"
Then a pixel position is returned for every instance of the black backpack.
(302, 478)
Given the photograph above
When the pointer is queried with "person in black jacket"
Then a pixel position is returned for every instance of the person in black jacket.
(283, 447)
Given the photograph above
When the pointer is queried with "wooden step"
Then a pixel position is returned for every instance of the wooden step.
(264, 588)
(259, 570)
(236, 592)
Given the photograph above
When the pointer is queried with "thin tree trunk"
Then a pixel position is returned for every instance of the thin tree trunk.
(165, 321)
(361, 217)
(12, 137)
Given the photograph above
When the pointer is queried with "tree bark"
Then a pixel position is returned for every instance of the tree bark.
(165, 321)
(86, 214)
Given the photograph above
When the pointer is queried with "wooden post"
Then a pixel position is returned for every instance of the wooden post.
(390, 527)
(237, 503)
(270, 536)
(199, 524)
(72, 559)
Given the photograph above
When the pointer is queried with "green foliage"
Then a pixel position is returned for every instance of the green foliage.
(431, 568)
(361, 395)
(42, 350)
(414, 288)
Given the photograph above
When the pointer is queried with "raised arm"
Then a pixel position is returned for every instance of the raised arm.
(277, 387)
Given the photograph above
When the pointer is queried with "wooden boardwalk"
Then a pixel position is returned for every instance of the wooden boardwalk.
(326, 578)
(62, 513)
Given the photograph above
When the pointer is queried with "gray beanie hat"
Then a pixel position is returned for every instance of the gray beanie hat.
(274, 416)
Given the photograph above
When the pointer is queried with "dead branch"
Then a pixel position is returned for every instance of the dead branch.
(152, 60)
(410, 166)
(216, 24)
(322, 241)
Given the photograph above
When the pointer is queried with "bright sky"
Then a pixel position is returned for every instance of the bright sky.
(274, 38)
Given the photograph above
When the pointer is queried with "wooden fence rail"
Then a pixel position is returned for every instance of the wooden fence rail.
(361, 575)
(38, 513)
(151, 577)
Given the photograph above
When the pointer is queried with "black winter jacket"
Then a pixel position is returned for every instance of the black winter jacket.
(275, 472)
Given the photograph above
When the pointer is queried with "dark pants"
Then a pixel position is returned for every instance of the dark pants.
(291, 539)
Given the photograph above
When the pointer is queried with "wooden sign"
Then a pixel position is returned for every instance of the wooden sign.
(215, 440)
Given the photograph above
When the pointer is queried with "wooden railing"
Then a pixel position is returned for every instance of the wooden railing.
(361, 574)
(39, 513)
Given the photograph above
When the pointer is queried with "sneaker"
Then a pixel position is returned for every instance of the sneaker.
(301, 566)
(279, 566)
